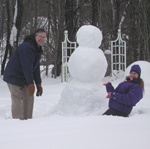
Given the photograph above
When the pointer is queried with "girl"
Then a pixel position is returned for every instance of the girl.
(126, 95)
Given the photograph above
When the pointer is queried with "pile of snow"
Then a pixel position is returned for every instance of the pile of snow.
(108, 52)
(145, 70)
(79, 98)
(48, 130)
(144, 104)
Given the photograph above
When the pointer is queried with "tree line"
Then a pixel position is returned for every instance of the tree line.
(56, 16)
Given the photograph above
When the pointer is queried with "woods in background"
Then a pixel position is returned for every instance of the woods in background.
(56, 16)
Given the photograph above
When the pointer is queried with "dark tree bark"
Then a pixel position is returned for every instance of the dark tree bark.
(69, 19)
(139, 31)
(8, 46)
(116, 20)
(19, 19)
(105, 14)
(95, 12)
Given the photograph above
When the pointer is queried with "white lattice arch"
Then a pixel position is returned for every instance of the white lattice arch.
(118, 56)
(67, 49)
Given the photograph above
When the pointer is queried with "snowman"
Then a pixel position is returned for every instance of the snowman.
(84, 94)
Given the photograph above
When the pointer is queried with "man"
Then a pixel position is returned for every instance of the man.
(22, 74)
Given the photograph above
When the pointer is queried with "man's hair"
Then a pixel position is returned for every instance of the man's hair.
(39, 31)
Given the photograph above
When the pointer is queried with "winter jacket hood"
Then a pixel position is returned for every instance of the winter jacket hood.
(31, 39)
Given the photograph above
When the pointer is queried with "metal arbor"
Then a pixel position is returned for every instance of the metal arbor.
(118, 56)
(67, 49)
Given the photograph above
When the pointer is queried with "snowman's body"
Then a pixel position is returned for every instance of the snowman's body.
(87, 65)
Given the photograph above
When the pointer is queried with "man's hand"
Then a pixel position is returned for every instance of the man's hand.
(31, 89)
(39, 90)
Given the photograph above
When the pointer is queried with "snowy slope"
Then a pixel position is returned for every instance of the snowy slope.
(52, 131)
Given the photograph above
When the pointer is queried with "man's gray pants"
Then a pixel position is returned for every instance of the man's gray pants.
(22, 103)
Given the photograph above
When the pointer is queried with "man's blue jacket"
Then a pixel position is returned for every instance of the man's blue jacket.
(23, 67)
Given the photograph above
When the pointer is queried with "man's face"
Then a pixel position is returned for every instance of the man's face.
(40, 38)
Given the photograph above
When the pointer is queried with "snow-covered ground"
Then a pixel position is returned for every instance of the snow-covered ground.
(48, 130)
(53, 128)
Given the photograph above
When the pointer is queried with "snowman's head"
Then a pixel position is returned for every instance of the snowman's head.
(89, 36)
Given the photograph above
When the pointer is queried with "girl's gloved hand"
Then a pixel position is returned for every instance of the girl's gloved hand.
(109, 95)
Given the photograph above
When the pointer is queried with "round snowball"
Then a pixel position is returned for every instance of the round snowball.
(87, 64)
(89, 36)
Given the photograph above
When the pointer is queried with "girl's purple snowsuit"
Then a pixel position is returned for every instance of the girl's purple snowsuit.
(125, 96)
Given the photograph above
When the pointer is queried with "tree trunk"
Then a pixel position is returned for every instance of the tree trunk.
(8, 46)
(19, 20)
(95, 12)
(58, 29)
(36, 14)
(116, 17)
(2, 30)
(69, 20)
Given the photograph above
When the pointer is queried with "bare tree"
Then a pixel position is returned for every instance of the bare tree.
(139, 31)
(59, 15)
(58, 36)
(69, 19)
(8, 46)
(19, 19)
(95, 12)
(2, 28)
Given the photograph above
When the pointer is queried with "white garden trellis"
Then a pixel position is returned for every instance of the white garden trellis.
(67, 49)
(118, 56)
